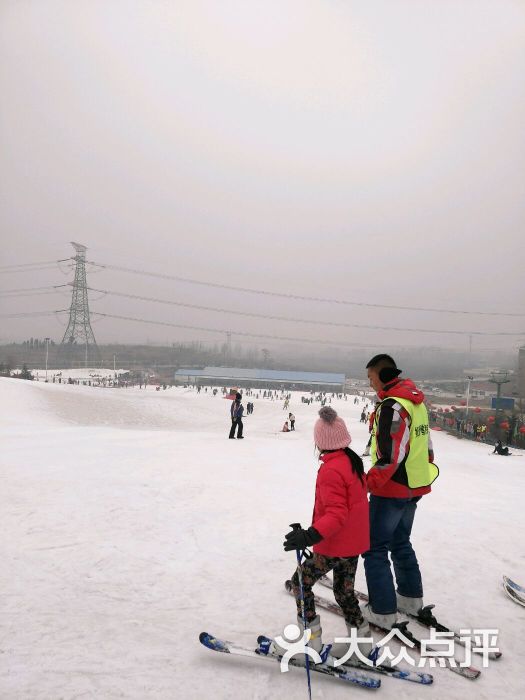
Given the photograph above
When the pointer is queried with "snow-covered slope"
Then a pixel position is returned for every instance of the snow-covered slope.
(131, 523)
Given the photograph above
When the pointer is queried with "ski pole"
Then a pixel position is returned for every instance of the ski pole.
(300, 554)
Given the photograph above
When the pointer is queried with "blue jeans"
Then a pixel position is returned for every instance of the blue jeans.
(391, 522)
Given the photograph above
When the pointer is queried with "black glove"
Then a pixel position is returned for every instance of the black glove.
(301, 539)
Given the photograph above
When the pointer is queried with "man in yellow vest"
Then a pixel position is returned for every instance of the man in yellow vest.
(402, 472)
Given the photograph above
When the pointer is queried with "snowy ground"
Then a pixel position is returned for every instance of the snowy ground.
(130, 524)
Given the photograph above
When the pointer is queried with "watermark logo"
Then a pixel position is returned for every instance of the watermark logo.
(436, 650)
(299, 646)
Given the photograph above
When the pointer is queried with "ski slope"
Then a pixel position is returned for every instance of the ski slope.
(131, 524)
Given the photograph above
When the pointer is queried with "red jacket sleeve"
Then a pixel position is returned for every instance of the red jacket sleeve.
(332, 493)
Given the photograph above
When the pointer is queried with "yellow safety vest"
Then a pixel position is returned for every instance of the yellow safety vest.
(416, 471)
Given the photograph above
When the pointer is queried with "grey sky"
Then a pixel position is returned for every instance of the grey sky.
(370, 151)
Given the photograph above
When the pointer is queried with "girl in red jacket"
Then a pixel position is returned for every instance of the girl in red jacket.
(339, 532)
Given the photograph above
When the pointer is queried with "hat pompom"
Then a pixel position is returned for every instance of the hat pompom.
(328, 414)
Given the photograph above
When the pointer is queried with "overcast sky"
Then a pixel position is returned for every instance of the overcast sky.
(370, 151)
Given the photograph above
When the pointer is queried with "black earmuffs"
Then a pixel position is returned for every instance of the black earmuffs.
(387, 374)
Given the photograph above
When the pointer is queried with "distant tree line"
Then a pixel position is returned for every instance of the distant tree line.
(436, 363)
(36, 343)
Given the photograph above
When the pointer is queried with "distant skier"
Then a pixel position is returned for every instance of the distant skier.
(500, 450)
(402, 472)
(291, 418)
(371, 418)
(236, 411)
(339, 532)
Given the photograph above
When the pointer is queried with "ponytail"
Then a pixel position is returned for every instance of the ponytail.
(356, 462)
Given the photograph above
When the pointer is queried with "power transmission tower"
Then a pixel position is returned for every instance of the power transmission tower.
(79, 346)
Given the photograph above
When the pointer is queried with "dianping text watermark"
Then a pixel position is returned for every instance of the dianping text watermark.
(438, 649)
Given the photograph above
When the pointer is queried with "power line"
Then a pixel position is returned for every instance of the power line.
(31, 291)
(43, 290)
(27, 294)
(295, 320)
(299, 297)
(275, 337)
(222, 331)
(32, 267)
(179, 325)
(35, 313)
(28, 269)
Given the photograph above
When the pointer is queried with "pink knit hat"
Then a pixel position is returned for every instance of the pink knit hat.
(330, 431)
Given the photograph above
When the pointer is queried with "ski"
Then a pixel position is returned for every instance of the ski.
(514, 591)
(341, 673)
(469, 672)
(515, 586)
(382, 670)
(425, 618)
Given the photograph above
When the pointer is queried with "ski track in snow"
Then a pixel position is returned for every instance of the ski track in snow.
(131, 524)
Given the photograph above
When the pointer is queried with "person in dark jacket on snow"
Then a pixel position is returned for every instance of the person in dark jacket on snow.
(402, 472)
(236, 411)
(339, 532)
(500, 450)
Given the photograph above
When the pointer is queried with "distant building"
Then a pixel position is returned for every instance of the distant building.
(270, 378)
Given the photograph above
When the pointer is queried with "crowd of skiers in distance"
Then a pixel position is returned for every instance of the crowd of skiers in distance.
(471, 429)
(479, 428)
(237, 409)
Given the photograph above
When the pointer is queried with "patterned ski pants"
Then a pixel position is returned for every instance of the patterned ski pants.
(344, 576)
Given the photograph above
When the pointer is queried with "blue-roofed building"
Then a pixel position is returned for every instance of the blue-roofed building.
(239, 376)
